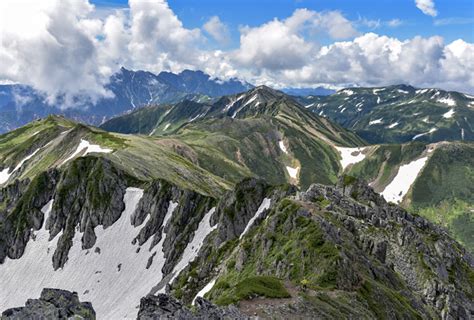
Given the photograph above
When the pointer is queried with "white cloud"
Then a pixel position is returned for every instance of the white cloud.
(48, 44)
(394, 23)
(217, 30)
(427, 7)
(65, 49)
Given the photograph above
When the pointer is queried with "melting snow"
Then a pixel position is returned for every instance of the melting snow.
(350, 155)
(377, 121)
(424, 134)
(5, 173)
(449, 114)
(309, 105)
(402, 182)
(468, 96)
(393, 125)
(343, 109)
(422, 91)
(89, 148)
(263, 206)
(403, 91)
(205, 290)
(282, 146)
(293, 172)
(375, 91)
(192, 249)
(449, 101)
(166, 126)
(348, 92)
(378, 99)
(114, 280)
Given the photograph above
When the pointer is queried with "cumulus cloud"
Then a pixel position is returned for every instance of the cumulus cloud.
(65, 50)
(217, 30)
(427, 7)
(48, 44)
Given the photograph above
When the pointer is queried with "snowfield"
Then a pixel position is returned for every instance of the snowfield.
(402, 182)
(350, 156)
(263, 206)
(87, 147)
(114, 280)
(192, 249)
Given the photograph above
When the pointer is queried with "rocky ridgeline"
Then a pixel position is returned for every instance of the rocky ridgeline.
(357, 255)
(372, 257)
(52, 304)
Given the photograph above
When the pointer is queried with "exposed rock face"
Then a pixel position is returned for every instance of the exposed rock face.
(164, 306)
(351, 242)
(52, 304)
(20, 212)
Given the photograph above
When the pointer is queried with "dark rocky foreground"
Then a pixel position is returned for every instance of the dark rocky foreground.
(163, 306)
(52, 304)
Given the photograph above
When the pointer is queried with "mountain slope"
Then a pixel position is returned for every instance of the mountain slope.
(399, 113)
(434, 180)
(21, 104)
(262, 132)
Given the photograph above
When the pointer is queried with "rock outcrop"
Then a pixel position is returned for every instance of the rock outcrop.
(164, 306)
(52, 304)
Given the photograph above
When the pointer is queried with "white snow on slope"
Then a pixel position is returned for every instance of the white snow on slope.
(293, 172)
(249, 101)
(263, 206)
(5, 173)
(375, 91)
(350, 155)
(393, 125)
(166, 126)
(424, 133)
(468, 96)
(282, 146)
(377, 121)
(449, 114)
(449, 101)
(114, 280)
(232, 102)
(402, 182)
(347, 92)
(89, 148)
(403, 91)
(378, 100)
(192, 249)
(205, 290)
(309, 105)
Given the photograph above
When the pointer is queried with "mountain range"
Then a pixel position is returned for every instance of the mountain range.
(254, 199)
(20, 104)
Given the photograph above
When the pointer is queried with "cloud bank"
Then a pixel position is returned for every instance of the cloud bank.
(63, 49)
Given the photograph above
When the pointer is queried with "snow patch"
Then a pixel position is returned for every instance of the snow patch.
(282, 146)
(449, 114)
(347, 92)
(424, 133)
(263, 206)
(205, 290)
(89, 148)
(449, 101)
(166, 126)
(350, 156)
(376, 121)
(192, 249)
(393, 125)
(309, 105)
(293, 172)
(5, 174)
(402, 182)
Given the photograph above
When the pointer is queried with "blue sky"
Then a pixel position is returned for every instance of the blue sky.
(455, 18)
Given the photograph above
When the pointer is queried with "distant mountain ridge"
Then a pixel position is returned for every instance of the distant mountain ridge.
(399, 113)
(20, 104)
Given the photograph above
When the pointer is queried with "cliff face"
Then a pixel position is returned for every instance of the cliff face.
(327, 252)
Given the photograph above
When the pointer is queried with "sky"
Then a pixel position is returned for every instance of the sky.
(70, 48)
